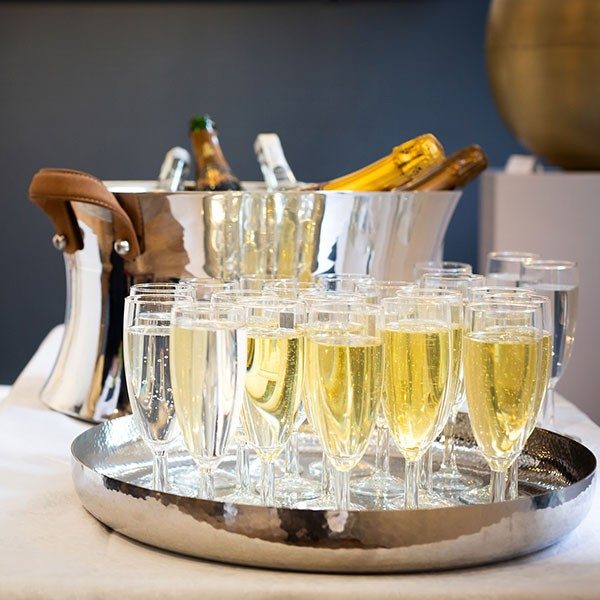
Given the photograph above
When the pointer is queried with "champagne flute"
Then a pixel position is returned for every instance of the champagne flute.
(526, 297)
(418, 377)
(208, 347)
(504, 268)
(344, 371)
(273, 380)
(440, 266)
(244, 493)
(146, 344)
(293, 486)
(322, 468)
(381, 484)
(559, 281)
(503, 360)
(449, 478)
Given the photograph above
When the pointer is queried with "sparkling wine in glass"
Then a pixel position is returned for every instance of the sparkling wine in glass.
(418, 377)
(343, 371)
(273, 380)
(208, 352)
(381, 485)
(503, 362)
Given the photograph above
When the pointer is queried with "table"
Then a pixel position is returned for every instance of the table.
(50, 547)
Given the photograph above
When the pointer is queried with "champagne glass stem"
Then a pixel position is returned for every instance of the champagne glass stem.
(207, 483)
(449, 456)
(326, 478)
(549, 413)
(160, 470)
(498, 486)
(426, 471)
(382, 449)
(292, 457)
(513, 481)
(411, 483)
(243, 467)
(342, 490)
(385, 451)
(267, 483)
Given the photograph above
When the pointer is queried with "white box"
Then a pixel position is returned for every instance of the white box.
(556, 214)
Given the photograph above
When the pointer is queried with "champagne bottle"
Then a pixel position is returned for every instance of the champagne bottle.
(454, 173)
(212, 169)
(174, 169)
(405, 163)
(273, 164)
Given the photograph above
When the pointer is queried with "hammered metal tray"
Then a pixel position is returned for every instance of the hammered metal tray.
(111, 467)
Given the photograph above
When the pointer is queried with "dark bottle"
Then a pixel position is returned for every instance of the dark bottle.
(454, 173)
(213, 172)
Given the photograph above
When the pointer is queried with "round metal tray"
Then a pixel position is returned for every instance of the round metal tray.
(110, 467)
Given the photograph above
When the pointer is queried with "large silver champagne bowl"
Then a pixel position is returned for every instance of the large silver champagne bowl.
(133, 232)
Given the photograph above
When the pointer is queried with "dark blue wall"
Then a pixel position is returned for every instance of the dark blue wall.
(107, 88)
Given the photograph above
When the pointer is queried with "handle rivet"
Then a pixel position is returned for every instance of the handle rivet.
(121, 247)
(59, 241)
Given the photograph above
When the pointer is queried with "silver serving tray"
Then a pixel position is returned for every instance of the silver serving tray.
(110, 465)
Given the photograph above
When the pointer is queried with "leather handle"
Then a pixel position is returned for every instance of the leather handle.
(53, 190)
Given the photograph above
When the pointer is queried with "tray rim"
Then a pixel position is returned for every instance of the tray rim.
(535, 504)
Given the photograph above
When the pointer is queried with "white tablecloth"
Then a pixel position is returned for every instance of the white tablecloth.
(50, 547)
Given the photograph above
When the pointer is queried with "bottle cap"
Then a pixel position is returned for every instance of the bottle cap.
(202, 122)
(174, 154)
(179, 153)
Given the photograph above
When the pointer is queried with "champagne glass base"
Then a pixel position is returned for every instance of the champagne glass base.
(239, 497)
(379, 485)
(186, 481)
(292, 489)
(478, 495)
(453, 481)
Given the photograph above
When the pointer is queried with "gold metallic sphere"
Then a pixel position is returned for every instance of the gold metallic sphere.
(543, 62)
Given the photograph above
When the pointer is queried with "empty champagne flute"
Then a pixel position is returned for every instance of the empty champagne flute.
(147, 322)
(418, 378)
(503, 360)
(273, 380)
(504, 268)
(559, 282)
(344, 371)
(208, 355)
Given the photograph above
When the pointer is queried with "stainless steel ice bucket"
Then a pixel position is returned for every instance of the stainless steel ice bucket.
(217, 234)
